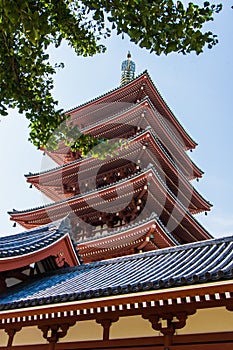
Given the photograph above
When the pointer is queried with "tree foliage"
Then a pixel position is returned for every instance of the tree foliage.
(28, 27)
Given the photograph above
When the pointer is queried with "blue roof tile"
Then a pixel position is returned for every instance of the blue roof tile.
(181, 265)
(32, 240)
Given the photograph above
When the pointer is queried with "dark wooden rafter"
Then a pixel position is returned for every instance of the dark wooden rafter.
(168, 323)
(21, 274)
(11, 331)
(26, 272)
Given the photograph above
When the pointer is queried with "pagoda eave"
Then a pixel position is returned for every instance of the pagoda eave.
(190, 143)
(142, 237)
(131, 92)
(58, 176)
(79, 207)
(144, 115)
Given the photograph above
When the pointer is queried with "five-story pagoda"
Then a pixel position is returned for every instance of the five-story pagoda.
(138, 199)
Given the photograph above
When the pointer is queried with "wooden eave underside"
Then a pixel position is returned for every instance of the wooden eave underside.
(63, 245)
(123, 96)
(51, 183)
(160, 200)
(145, 237)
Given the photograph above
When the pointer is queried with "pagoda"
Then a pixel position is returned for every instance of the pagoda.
(139, 198)
(118, 260)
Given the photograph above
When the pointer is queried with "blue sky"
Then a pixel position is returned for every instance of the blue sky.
(198, 89)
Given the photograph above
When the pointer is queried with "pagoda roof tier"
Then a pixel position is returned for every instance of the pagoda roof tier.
(147, 185)
(141, 116)
(32, 246)
(116, 100)
(129, 122)
(177, 275)
(69, 180)
(147, 235)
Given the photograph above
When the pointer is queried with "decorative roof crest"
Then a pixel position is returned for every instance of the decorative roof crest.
(127, 70)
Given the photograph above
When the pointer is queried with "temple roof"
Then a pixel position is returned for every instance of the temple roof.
(120, 123)
(196, 263)
(135, 226)
(34, 245)
(32, 240)
(141, 114)
(153, 93)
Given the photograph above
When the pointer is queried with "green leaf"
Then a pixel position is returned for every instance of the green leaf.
(29, 27)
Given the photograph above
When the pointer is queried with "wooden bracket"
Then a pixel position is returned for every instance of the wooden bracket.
(52, 333)
(229, 305)
(106, 324)
(11, 331)
(167, 323)
(3, 285)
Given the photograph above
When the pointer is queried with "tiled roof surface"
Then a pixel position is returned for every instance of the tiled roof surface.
(181, 265)
(32, 240)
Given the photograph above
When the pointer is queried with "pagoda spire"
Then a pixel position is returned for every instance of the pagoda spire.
(127, 70)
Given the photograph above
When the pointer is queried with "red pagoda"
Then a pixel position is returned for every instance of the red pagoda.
(138, 199)
(118, 260)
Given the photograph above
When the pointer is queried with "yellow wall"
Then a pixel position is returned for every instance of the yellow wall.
(132, 327)
(203, 321)
(3, 338)
(81, 331)
(209, 321)
(84, 330)
(29, 336)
